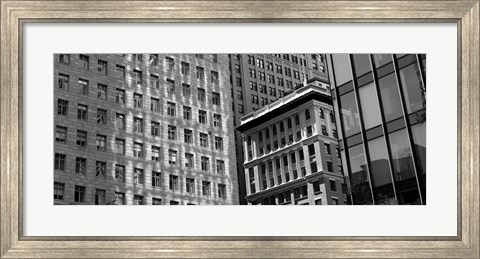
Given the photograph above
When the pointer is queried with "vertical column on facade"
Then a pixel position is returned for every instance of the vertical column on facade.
(407, 125)
(246, 147)
(318, 156)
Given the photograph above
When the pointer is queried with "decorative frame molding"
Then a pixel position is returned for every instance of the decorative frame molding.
(14, 14)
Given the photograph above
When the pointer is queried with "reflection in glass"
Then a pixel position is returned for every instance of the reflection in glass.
(413, 88)
(380, 172)
(362, 64)
(381, 59)
(370, 107)
(351, 119)
(341, 64)
(390, 98)
(403, 170)
(359, 176)
(420, 141)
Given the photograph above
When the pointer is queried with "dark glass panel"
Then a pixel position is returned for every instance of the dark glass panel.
(380, 172)
(413, 89)
(354, 140)
(351, 119)
(362, 64)
(406, 60)
(341, 64)
(365, 79)
(420, 149)
(359, 182)
(345, 88)
(381, 59)
(390, 98)
(403, 170)
(374, 133)
(370, 107)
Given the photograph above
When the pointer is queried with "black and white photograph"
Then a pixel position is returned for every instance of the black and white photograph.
(239, 129)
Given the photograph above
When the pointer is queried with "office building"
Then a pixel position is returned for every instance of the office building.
(382, 122)
(143, 129)
(292, 154)
(260, 79)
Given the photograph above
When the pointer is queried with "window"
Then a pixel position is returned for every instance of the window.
(120, 121)
(120, 96)
(173, 182)
(240, 108)
(238, 81)
(120, 173)
(138, 176)
(172, 132)
(324, 130)
(261, 75)
(309, 131)
(321, 113)
(155, 153)
(186, 90)
(58, 191)
(153, 60)
(271, 79)
(214, 58)
(204, 163)
(170, 86)
(200, 73)
(190, 185)
(252, 72)
(327, 149)
(216, 98)
(169, 63)
(297, 120)
(206, 188)
(299, 134)
(218, 143)
(156, 201)
(269, 66)
(119, 146)
(171, 109)
(79, 194)
(101, 116)
(307, 114)
(214, 77)
(185, 68)
(240, 95)
(61, 134)
(172, 157)
(222, 191)
(200, 56)
(202, 116)
(154, 81)
(102, 67)
(329, 166)
(311, 150)
(289, 123)
(137, 100)
(154, 105)
(137, 76)
(174, 202)
(313, 167)
(120, 71)
(63, 81)
(81, 138)
(260, 63)
(217, 120)
(220, 167)
(137, 57)
(137, 200)
(59, 162)
(100, 169)
(203, 140)
(334, 133)
(333, 186)
(187, 113)
(278, 69)
(201, 94)
(155, 129)
(84, 61)
(332, 117)
(156, 179)
(101, 142)
(237, 68)
(188, 138)
(80, 165)
(119, 198)
(65, 59)
(62, 107)
(251, 60)
(189, 160)
(82, 112)
(138, 125)
(138, 150)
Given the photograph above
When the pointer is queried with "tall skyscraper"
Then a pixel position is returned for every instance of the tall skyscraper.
(381, 99)
(260, 79)
(143, 129)
(291, 148)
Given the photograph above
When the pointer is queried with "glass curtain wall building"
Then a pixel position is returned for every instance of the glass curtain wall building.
(381, 106)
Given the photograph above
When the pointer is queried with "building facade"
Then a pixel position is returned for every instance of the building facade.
(291, 148)
(260, 79)
(143, 129)
(381, 99)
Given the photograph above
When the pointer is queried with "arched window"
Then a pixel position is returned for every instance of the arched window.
(307, 114)
(282, 128)
(274, 130)
(260, 136)
(289, 123)
(267, 133)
